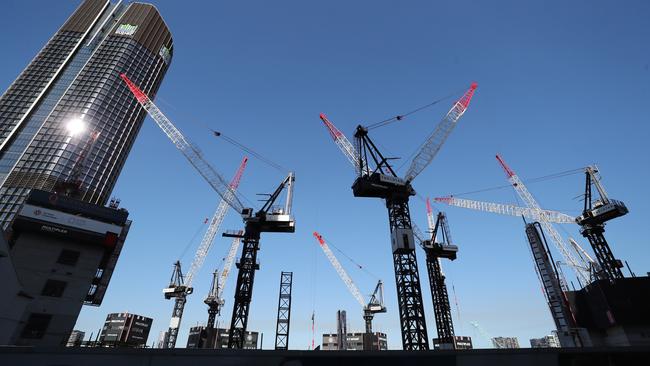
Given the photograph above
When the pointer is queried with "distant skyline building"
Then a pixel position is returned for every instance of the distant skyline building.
(125, 330)
(505, 342)
(68, 117)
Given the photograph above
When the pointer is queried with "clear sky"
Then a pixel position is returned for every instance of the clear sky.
(561, 85)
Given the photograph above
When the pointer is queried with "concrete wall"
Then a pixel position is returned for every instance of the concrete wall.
(157, 357)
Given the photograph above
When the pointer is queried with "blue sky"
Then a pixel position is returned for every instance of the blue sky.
(561, 85)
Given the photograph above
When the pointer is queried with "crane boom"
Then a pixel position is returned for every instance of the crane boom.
(344, 144)
(191, 152)
(339, 269)
(435, 141)
(215, 223)
(227, 266)
(579, 268)
(505, 209)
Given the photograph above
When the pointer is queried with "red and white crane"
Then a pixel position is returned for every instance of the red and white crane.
(370, 308)
(267, 219)
(381, 181)
(181, 286)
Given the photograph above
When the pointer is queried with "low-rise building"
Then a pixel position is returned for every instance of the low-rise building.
(125, 330)
(202, 337)
(462, 342)
(354, 342)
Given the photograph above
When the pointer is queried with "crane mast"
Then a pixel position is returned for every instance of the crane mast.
(268, 219)
(580, 268)
(552, 285)
(382, 182)
(440, 246)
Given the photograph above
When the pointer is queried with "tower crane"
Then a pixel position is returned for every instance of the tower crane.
(268, 219)
(440, 246)
(580, 267)
(592, 222)
(381, 181)
(183, 286)
(215, 299)
(373, 306)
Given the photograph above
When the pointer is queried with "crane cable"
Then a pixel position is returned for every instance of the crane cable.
(400, 117)
(329, 243)
(189, 243)
(527, 181)
(250, 151)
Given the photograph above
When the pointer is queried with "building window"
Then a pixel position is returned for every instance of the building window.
(68, 257)
(36, 326)
(53, 288)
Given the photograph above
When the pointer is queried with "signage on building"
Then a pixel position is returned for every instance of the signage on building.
(126, 29)
(165, 54)
(65, 219)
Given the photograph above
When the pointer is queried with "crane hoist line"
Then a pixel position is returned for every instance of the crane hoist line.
(381, 181)
(370, 308)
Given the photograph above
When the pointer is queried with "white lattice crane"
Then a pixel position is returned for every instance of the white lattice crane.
(180, 289)
(215, 299)
(267, 219)
(189, 150)
(506, 209)
(381, 181)
(580, 267)
(372, 306)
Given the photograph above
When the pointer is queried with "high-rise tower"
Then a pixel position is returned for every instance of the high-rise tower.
(68, 117)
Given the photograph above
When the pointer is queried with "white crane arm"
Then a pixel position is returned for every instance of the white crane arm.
(505, 209)
(339, 269)
(344, 144)
(227, 266)
(522, 191)
(435, 141)
(215, 223)
(191, 152)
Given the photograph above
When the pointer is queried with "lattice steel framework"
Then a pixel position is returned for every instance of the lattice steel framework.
(284, 312)
(441, 306)
(244, 291)
(407, 279)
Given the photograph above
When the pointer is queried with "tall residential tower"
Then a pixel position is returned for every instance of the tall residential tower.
(67, 124)
(68, 117)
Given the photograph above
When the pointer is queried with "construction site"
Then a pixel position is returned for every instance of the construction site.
(340, 284)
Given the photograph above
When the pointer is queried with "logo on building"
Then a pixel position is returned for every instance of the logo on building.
(165, 54)
(126, 29)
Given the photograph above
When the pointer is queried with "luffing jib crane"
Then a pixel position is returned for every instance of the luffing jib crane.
(267, 219)
(440, 246)
(180, 292)
(592, 222)
(381, 181)
(581, 268)
(215, 299)
(370, 308)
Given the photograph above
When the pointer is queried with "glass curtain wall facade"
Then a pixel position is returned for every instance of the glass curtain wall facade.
(75, 77)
